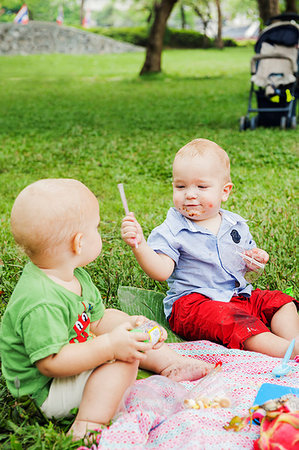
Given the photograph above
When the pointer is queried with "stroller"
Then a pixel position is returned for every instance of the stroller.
(275, 75)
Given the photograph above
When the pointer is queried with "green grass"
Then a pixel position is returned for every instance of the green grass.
(92, 118)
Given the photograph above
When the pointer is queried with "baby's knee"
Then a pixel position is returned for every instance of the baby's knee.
(111, 319)
(289, 308)
(117, 369)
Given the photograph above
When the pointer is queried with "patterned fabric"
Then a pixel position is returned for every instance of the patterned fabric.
(146, 424)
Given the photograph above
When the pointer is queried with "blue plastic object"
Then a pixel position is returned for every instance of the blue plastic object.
(283, 368)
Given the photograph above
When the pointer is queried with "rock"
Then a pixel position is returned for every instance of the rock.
(46, 37)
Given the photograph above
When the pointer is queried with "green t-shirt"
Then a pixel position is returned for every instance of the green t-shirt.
(41, 317)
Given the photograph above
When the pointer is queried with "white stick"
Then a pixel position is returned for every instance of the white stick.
(123, 198)
(252, 260)
(125, 203)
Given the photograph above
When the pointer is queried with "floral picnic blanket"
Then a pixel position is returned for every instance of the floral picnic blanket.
(151, 421)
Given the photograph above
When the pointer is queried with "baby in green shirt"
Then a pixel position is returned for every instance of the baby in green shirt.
(57, 339)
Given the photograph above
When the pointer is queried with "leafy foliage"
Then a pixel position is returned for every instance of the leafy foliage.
(134, 35)
(172, 39)
(146, 303)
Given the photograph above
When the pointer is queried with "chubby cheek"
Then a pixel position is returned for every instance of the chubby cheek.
(177, 201)
(210, 205)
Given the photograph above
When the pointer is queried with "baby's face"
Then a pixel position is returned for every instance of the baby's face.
(91, 240)
(198, 186)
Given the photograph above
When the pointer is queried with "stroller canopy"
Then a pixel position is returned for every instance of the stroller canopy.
(280, 33)
(276, 63)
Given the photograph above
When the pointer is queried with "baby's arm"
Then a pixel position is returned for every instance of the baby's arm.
(157, 265)
(73, 359)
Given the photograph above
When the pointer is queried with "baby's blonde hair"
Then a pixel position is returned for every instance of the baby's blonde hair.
(48, 213)
(203, 147)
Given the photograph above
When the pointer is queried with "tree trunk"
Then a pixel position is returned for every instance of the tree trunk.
(183, 17)
(219, 41)
(205, 22)
(291, 6)
(162, 11)
(267, 9)
(82, 12)
(150, 15)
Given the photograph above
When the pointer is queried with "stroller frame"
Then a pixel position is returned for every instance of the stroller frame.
(285, 114)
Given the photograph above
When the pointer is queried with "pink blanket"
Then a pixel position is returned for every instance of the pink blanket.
(143, 427)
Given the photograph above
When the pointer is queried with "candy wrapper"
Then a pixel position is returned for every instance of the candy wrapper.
(210, 392)
(158, 395)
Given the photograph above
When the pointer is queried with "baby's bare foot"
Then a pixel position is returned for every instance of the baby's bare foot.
(184, 368)
(83, 429)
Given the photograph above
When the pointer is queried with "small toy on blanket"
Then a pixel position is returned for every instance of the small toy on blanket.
(152, 328)
(210, 392)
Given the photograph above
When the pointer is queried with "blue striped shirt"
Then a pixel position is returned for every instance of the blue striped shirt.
(204, 262)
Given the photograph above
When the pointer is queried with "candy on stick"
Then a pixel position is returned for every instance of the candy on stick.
(125, 203)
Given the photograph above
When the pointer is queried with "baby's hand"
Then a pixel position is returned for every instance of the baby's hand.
(257, 254)
(137, 320)
(131, 231)
(127, 346)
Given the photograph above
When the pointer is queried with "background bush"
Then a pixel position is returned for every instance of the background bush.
(173, 38)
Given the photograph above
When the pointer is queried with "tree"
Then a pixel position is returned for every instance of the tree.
(202, 8)
(203, 11)
(145, 8)
(291, 6)
(264, 8)
(82, 11)
(183, 16)
(267, 9)
(219, 42)
(247, 8)
(162, 10)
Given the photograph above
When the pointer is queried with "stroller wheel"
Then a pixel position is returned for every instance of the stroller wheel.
(293, 122)
(253, 122)
(283, 122)
(243, 123)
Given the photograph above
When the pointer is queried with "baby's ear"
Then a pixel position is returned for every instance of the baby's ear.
(77, 243)
(226, 191)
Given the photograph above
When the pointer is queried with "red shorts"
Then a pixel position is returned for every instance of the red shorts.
(197, 317)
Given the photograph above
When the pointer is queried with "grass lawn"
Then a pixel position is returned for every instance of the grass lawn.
(92, 118)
